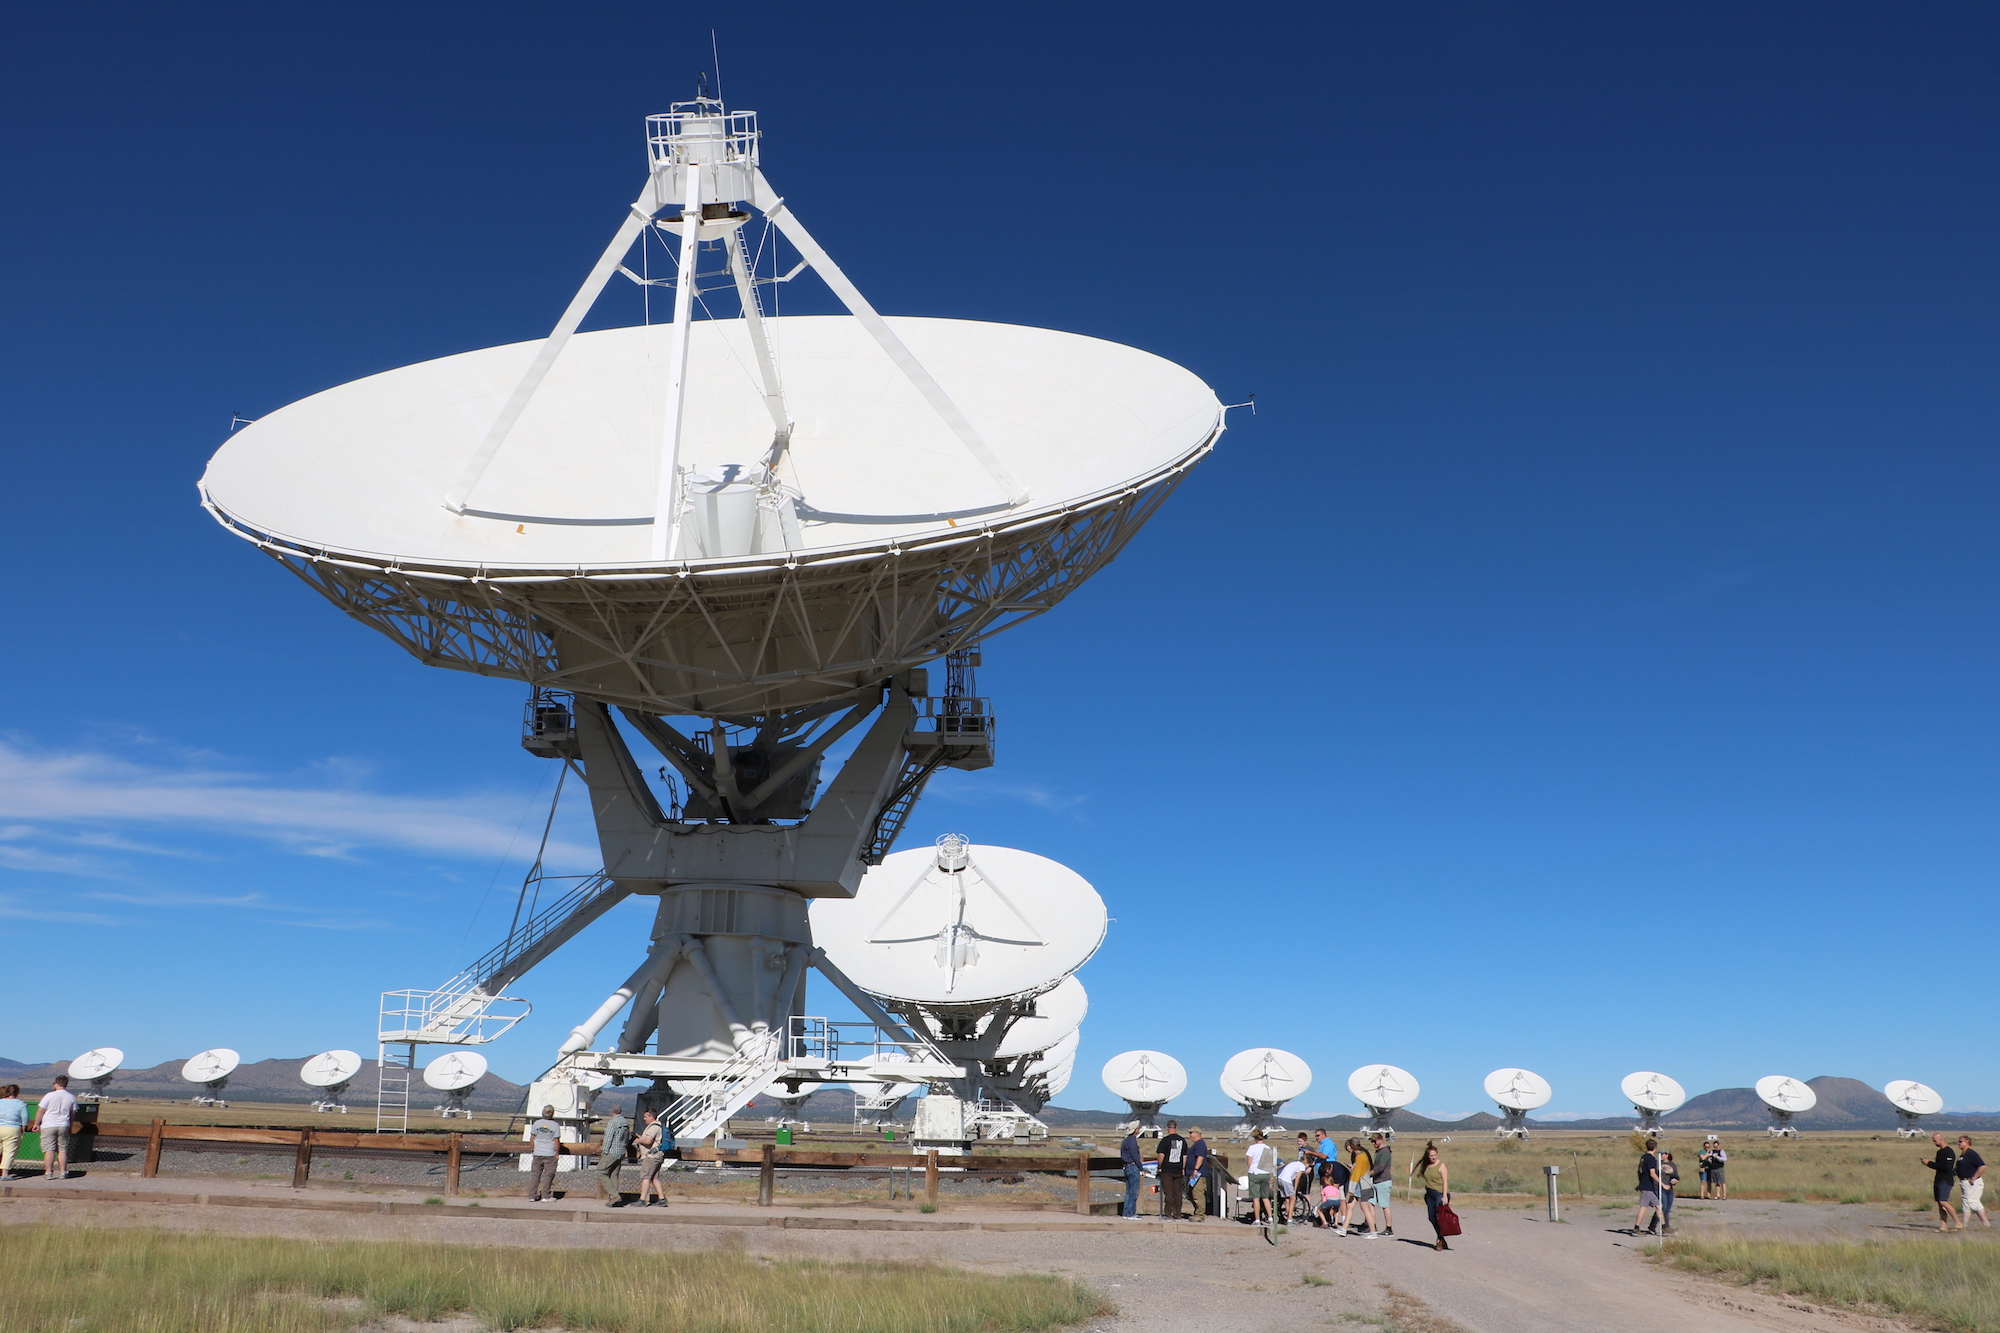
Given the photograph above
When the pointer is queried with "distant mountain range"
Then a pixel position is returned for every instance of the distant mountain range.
(1844, 1103)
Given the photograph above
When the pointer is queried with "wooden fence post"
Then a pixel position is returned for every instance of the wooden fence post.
(451, 1164)
(930, 1177)
(1083, 1184)
(767, 1176)
(155, 1134)
(302, 1164)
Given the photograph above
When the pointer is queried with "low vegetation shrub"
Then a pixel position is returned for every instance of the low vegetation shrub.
(1937, 1282)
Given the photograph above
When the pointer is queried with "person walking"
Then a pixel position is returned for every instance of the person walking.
(1971, 1184)
(1383, 1177)
(1262, 1160)
(1649, 1190)
(52, 1122)
(1135, 1169)
(652, 1156)
(546, 1136)
(1170, 1159)
(611, 1158)
(1200, 1187)
(13, 1124)
(1437, 1186)
(1670, 1176)
(1944, 1174)
(1360, 1187)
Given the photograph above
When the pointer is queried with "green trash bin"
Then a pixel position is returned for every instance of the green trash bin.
(82, 1138)
(784, 1135)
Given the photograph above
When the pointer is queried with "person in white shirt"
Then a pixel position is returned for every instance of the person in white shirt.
(52, 1122)
(545, 1134)
(1263, 1162)
(1288, 1189)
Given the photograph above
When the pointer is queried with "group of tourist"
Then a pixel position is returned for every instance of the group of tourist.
(1346, 1188)
(52, 1120)
(1964, 1168)
(652, 1147)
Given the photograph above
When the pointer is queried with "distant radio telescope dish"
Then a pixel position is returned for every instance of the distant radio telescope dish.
(454, 1070)
(98, 1064)
(1058, 1013)
(1652, 1092)
(1265, 1076)
(211, 1067)
(1383, 1087)
(961, 926)
(1788, 1095)
(1147, 1079)
(1913, 1097)
(330, 1069)
(1518, 1090)
(1058, 1078)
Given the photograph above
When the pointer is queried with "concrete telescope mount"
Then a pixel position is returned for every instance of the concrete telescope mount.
(715, 549)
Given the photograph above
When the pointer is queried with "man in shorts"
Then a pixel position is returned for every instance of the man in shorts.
(1263, 1164)
(1971, 1184)
(1383, 1178)
(52, 1121)
(545, 1134)
(1944, 1174)
(1649, 1190)
(1717, 1158)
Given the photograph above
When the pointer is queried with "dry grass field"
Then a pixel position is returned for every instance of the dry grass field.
(147, 1281)
(1949, 1283)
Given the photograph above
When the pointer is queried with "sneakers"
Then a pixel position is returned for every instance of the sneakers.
(1388, 1231)
(1371, 1235)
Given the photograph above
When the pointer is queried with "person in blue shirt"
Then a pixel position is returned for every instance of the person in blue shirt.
(13, 1122)
(1128, 1152)
(1198, 1158)
(1328, 1150)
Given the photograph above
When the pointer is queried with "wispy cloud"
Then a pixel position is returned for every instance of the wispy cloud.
(13, 908)
(94, 797)
(982, 791)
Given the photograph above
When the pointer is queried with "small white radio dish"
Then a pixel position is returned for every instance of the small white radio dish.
(330, 1069)
(1145, 1078)
(211, 1067)
(1518, 1091)
(1913, 1101)
(1261, 1080)
(1057, 1014)
(1648, 1091)
(98, 1064)
(1383, 1087)
(455, 1070)
(1786, 1097)
(960, 925)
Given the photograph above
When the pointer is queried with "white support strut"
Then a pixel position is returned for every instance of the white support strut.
(773, 207)
(667, 499)
(636, 220)
(760, 342)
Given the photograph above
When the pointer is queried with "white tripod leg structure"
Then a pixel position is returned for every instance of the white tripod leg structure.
(760, 343)
(667, 500)
(773, 207)
(636, 220)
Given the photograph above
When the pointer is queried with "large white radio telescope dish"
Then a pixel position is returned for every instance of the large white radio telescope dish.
(1913, 1097)
(1383, 1087)
(1058, 1077)
(1652, 1092)
(1058, 1013)
(1004, 923)
(1786, 1094)
(454, 1070)
(102, 1062)
(875, 497)
(1264, 1075)
(211, 1066)
(330, 1069)
(1518, 1089)
(1145, 1078)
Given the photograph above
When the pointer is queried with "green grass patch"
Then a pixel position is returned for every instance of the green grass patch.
(86, 1280)
(1939, 1282)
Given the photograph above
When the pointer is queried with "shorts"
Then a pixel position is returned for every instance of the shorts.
(649, 1166)
(1975, 1195)
(1260, 1185)
(1649, 1198)
(1940, 1188)
(1385, 1190)
(55, 1141)
(1716, 1178)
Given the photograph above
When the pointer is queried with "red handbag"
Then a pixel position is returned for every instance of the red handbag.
(1448, 1221)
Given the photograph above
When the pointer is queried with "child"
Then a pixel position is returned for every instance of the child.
(1329, 1197)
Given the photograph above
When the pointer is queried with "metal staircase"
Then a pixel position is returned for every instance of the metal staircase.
(707, 1106)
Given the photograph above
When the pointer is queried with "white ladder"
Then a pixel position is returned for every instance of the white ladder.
(707, 1106)
(393, 1067)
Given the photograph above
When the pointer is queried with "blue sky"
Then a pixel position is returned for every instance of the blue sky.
(1583, 660)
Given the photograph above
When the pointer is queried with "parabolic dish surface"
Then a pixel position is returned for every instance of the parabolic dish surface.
(1264, 1074)
(329, 1068)
(1384, 1087)
(1012, 923)
(97, 1063)
(211, 1065)
(1914, 1097)
(1652, 1092)
(1785, 1094)
(1518, 1089)
(362, 469)
(1145, 1076)
(454, 1070)
(1058, 1013)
